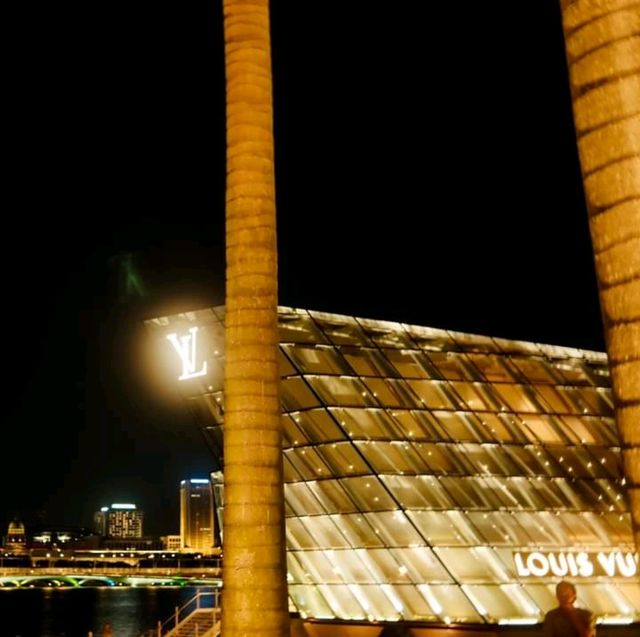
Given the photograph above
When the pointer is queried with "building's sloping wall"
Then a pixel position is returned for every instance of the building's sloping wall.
(438, 476)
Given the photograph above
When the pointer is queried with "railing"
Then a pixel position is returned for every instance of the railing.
(200, 601)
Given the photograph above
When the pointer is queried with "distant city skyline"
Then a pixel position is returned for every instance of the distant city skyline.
(121, 520)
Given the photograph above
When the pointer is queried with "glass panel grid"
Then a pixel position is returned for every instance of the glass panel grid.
(417, 460)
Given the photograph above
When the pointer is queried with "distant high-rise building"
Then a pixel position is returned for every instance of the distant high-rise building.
(100, 521)
(196, 515)
(119, 521)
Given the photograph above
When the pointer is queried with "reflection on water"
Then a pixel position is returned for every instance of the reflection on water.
(73, 612)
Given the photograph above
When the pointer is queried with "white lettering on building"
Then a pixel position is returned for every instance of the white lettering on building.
(575, 564)
(186, 348)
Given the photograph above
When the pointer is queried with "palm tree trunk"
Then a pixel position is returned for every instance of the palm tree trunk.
(255, 598)
(602, 39)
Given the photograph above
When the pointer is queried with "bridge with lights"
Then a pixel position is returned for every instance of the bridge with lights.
(76, 579)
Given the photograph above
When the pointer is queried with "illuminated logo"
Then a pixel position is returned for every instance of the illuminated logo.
(186, 348)
(576, 564)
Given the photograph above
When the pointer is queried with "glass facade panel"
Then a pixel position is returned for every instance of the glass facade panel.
(551, 400)
(301, 499)
(318, 425)
(382, 566)
(332, 496)
(598, 371)
(604, 600)
(310, 602)
(475, 342)
(297, 535)
(489, 459)
(295, 571)
(457, 426)
(391, 457)
(325, 533)
(367, 424)
(418, 492)
(318, 359)
(296, 326)
(445, 528)
(590, 430)
(421, 565)
(290, 473)
(320, 569)
(386, 333)
(391, 393)
(535, 370)
(307, 462)
(571, 371)
(368, 362)
(342, 601)
(507, 601)
(543, 428)
(629, 593)
(450, 603)
(500, 428)
(341, 330)
(586, 400)
(439, 458)
(543, 596)
(432, 394)
(368, 493)
(472, 493)
(430, 338)
(493, 369)
(516, 398)
(499, 528)
(343, 458)
(411, 363)
(545, 528)
(284, 365)
(352, 568)
(342, 390)
(530, 460)
(417, 425)
(394, 528)
(617, 527)
(475, 396)
(360, 533)
(473, 564)
(297, 395)
(450, 365)
(414, 604)
(291, 433)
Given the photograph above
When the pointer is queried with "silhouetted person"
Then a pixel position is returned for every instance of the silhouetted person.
(107, 631)
(566, 620)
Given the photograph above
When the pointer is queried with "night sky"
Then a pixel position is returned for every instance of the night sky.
(426, 172)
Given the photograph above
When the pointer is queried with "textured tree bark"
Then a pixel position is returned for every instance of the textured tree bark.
(602, 39)
(254, 601)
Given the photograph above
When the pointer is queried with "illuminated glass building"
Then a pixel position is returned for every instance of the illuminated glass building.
(434, 476)
(196, 515)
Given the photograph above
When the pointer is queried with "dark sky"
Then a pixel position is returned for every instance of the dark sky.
(426, 172)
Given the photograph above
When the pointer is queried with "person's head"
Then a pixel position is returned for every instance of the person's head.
(566, 594)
